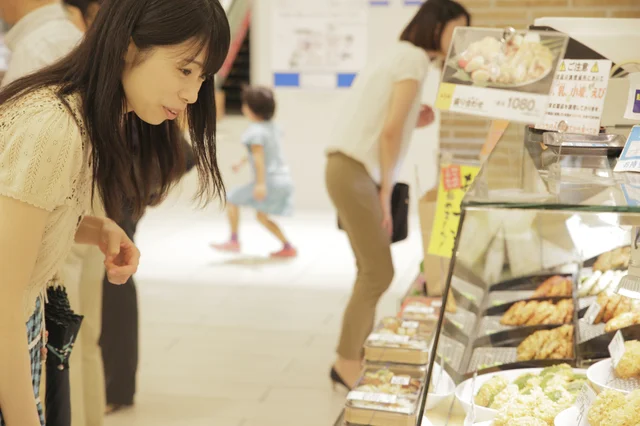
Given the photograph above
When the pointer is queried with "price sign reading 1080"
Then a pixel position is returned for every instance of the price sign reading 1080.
(522, 104)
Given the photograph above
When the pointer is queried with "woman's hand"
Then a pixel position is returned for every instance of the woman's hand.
(385, 204)
(121, 255)
(260, 191)
(426, 116)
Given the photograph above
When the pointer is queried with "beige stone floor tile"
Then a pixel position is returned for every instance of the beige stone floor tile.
(240, 340)
(171, 410)
(304, 405)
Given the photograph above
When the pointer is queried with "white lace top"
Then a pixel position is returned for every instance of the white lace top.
(44, 161)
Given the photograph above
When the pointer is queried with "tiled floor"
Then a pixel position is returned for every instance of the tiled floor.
(241, 340)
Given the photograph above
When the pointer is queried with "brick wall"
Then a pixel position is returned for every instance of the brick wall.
(464, 135)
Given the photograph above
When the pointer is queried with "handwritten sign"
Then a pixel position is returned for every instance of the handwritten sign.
(455, 180)
(592, 313)
(616, 348)
(577, 97)
(583, 402)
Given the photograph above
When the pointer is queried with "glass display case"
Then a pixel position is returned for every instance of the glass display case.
(543, 242)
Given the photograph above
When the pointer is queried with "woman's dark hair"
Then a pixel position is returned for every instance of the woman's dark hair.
(260, 101)
(426, 28)
(126, 168)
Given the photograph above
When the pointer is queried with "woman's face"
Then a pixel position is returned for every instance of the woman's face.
(160, 83)
(447, 33)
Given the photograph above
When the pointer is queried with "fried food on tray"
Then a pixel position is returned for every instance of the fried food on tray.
(625, 305)
(617, 311)
(529, 347)
(610, 308)
(563, 313)
(554, 286)
(613, 408)
(547, 344)
(629, 364)
(622, 321)
(538, 312)
(525, 314)
(615, 259)
(543, 311)
(509, 318)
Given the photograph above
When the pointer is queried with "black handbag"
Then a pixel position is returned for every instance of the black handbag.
(399, 212)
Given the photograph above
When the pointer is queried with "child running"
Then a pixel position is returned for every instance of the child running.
(271, 192)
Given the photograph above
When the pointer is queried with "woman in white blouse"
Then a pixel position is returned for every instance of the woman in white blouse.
(371, 138)
(62, 141)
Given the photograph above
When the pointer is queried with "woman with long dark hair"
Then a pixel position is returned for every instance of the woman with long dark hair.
(371, 137)
(64, 140)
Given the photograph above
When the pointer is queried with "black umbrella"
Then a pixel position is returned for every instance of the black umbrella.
(63, 326)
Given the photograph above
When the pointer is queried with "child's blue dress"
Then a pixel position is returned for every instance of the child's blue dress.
(279, 199)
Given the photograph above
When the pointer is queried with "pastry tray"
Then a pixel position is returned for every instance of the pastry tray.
(502, 309)
(381, 409)
(451, 351)
(499, 351)
(464, 320)
(529, 282)
(467, 295)
(591, 261)
(497, 298)
(398, 348)
(511, 336)
(572, 143)
(597, 346)
(491, 324)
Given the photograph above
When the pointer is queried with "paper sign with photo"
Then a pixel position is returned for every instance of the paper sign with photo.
(491, 73)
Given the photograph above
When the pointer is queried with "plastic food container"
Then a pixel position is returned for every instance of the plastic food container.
(423, 309)
(399, 341)
(386, 396)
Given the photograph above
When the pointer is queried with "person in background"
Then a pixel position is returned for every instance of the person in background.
(371, 138)
(82, 275)
(63, 140)
(120, 328)
(42, 34)
(82, 12)
(271, 192)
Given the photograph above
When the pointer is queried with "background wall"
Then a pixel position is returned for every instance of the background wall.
(306, 115)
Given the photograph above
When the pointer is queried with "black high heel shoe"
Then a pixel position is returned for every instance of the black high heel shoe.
(337, 380)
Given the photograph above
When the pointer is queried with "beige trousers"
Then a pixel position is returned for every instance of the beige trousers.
(355, 196)
(82, 274)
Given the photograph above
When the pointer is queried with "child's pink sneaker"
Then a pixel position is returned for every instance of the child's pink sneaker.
(229, 246)
(286, 252)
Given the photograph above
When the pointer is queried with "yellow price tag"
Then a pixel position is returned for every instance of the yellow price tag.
(445, 96)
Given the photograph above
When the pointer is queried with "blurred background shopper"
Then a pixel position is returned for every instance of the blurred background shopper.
(371, 138)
